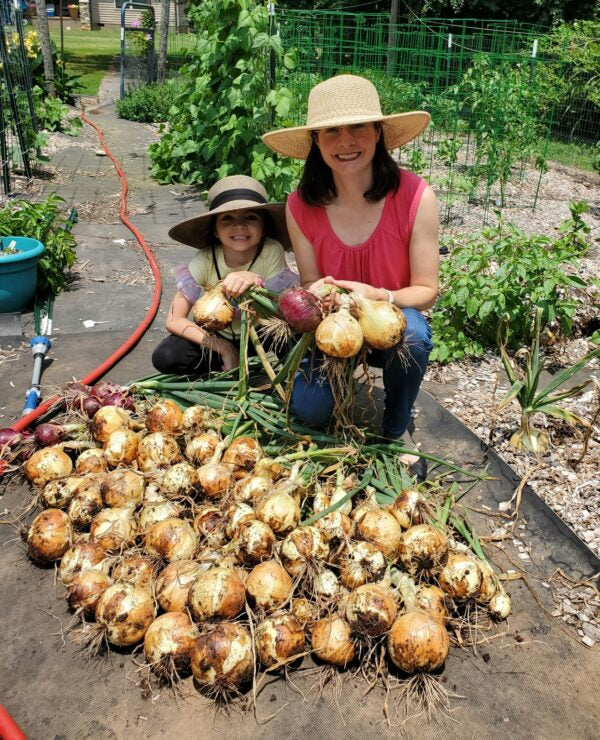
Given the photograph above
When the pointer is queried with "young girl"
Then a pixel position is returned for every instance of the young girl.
(241, 241)
(359, 222)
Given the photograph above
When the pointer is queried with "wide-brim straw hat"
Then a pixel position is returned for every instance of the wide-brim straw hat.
(343, 101)
(233, 193)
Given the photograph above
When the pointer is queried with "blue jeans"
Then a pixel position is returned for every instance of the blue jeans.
(312, 399)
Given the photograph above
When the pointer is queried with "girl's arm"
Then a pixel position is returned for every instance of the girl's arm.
(179, 325)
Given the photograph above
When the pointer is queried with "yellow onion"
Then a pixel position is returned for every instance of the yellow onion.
(85, 504)
(433, 600)
(83, 556)
(489, 583)
(254, 541)
(252, 487)
(339, 334)
(122, 488)
(137, 570)
(321, 500)
(223, 659)
(243, 454)
(171, 539)
(47, 464)
(157, 451)
(193, 418)
(418, 642)
(107, 420)
(269, 586)
(168, 644)
(164, 416)
(179, 481)
(121, 447)
(217, 594)
(500, 605)
(278, 639)
(332, 641)
(173, 585)
(382, 323)
(49, 536)
(335, 526)
(381, 529)
(91, 461)
(125, 612)
(460, 578)
(305, 611)
(215, 479)
(279, 511)
(408, 508)
(153, 513)
(208, 523)
(152, 494)
(370, 610)
(113, 529)
(201, 448)
(339, 493)
(362, 563)
(85, 590)
(325, 585)
(58, 493)
(213, 311)
(235, 515)
(422, 547)
(301, 546)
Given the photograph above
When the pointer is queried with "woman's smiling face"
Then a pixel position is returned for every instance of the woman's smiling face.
(241, 230)
(348, 149)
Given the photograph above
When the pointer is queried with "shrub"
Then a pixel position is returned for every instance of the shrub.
(148, 103)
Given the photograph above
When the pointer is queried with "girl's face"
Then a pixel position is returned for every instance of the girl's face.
(348, 149)
(240, 231)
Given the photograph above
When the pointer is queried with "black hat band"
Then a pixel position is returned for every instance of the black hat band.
(236, 194)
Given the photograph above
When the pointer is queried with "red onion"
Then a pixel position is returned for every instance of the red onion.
(118, 399)
(9, 438)
(49, 434)
(90, 405)
(300, 309)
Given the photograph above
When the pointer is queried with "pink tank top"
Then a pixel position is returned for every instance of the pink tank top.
(382, 260)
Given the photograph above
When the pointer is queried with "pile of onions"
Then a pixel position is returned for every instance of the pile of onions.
(213, 311)
(300, 309)
(382, 323)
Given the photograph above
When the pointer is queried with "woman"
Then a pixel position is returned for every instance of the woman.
(358, 222)
(241, 241)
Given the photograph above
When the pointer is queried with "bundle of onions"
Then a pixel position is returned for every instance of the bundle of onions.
(47, 464)
(382, 324)
(213, 311)
(85, 590)
(254, 542)
(85, 504)
(223, 659)
(332, 641)
(381, 529)
(121, 447)
(202, 447)
(460, 578)
(113, 529)
(243, 454)
(278, 639)
(157, 451)
(300, 309)
(58, 493)
(49, 536)
(237, 513)
(138, 570)
(168, 644)
(125, 612)
(83, 556)
(208, 523)
(269, 586)
(171, 539)
(302, 547)
(422, 547)
(173, 585)
(158, 512)
(279, 511)
(217, 594)
(370, 610)
(417, 641)
(107, 420)
(122, 488)
(362, 563)
(409, 508)
(179, 481)
(339, 334)
(91, 461)
(164, 416)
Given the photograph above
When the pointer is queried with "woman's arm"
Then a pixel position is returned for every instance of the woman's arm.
(304, 253)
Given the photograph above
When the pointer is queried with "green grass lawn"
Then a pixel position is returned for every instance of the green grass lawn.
(89, 54)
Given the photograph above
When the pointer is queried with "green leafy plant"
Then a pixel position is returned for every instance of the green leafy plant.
(44, 222)
(53, 114)
(148, 103)
(524, 372)
(498, 274)
(225, 102)
(139, 36)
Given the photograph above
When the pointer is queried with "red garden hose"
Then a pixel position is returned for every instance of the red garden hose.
(112, 360)
(9, 729)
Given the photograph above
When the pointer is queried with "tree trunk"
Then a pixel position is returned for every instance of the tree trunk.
(44, 34)
(162, 40)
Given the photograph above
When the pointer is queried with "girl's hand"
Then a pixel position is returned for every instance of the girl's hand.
(237, 283)
(229, 354)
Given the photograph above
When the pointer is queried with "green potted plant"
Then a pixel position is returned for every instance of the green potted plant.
(73, 9)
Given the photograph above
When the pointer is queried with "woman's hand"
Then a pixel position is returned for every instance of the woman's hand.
(366, 291)
(237, 283)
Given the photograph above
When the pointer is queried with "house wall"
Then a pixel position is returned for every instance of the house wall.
(105, 13)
